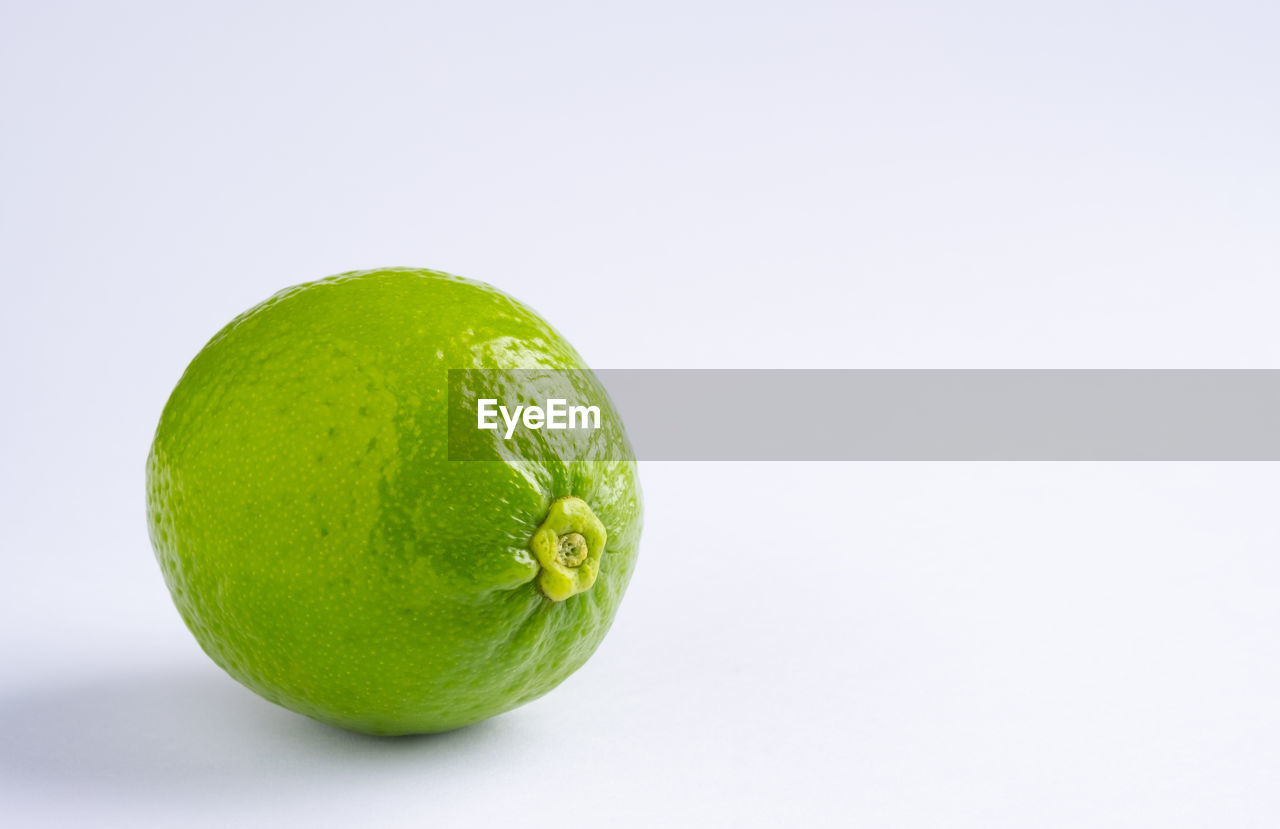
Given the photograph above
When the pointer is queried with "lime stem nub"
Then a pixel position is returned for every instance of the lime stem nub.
(568, 547)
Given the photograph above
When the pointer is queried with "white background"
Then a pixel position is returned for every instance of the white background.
(981, 184)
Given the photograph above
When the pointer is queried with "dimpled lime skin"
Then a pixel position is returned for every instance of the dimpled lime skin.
(321, 546)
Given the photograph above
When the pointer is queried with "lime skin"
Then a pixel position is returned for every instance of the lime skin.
(321, 545)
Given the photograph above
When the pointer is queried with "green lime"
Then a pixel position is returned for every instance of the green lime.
(328, 553)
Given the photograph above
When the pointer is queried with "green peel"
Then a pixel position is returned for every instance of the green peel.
(568, 547)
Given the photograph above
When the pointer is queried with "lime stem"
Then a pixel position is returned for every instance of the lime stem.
(571, 550)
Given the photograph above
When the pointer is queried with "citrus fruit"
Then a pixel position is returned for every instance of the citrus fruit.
(327, 552)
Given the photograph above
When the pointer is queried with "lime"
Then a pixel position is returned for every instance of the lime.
(327, 552)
